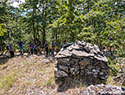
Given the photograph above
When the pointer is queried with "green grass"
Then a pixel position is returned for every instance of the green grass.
(115, 68)
(7, 81)
(114, 71)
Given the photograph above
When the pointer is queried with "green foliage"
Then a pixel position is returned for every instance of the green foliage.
(99, 22)
(114, 70)
(2, 30)
(7, 80)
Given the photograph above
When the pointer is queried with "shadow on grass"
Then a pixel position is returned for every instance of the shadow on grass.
(5, 58)
(75, 82)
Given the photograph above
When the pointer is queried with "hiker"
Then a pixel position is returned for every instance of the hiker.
(53, 48)
(31, 47)
(38, 43)
(46, 48)
(49, 51)
(21, 47)
(11, 50)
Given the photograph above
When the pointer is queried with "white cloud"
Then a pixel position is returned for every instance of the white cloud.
(15, 4)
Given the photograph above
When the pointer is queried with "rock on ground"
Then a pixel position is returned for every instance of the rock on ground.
(82, 59)
(102, 90)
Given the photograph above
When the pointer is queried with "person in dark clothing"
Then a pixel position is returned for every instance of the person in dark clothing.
(11, 49)
(7, 49)
(53, 48)
(31, 47)
(21, 47)
(46, 48)
(38, 43)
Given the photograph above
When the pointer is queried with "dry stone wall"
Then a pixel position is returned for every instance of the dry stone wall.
(82, 59)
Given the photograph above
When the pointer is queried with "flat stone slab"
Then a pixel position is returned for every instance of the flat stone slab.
(81, 49)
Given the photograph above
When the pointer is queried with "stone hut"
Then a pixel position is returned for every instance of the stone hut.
(84, 60)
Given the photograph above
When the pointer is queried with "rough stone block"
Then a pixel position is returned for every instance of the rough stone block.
(84, 59)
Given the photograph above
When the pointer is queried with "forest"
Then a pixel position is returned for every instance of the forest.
(99, 22)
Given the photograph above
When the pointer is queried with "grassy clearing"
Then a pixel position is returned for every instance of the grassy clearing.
(28, 76)
(22, 74)
(7, 80)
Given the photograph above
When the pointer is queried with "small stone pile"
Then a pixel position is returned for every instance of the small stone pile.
(82, 59)
(102, 89)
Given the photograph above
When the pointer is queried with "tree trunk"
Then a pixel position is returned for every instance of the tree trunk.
(33, 15)
(34, 30)
(44, 35)
(38, 30)
(44, 26)
(88, 5)
(72, 36)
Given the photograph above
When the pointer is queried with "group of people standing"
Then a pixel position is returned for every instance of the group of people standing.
(34, 48)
